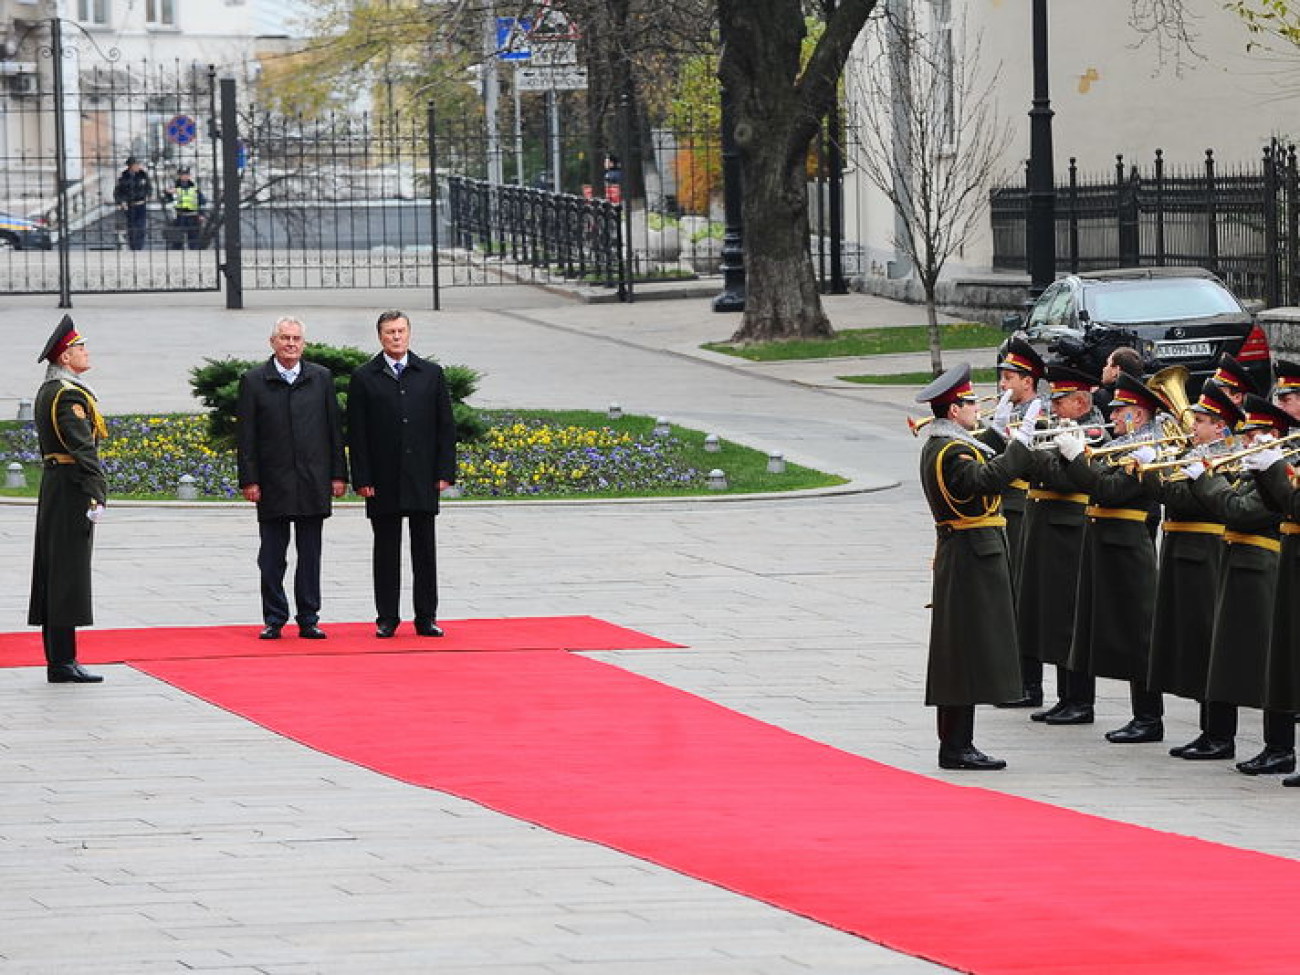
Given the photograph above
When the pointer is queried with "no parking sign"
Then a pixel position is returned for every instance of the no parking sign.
(182, 130)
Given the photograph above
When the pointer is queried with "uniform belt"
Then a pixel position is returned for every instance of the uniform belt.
(1289, 528)
(1118, 514)
(1039, 494)
(1200, 527)
(1020, 484)
(966, 524)
(1259, 541)
(54, 459)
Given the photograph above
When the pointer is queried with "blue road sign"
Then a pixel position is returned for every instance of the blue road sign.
(512, 39)
(182, 130)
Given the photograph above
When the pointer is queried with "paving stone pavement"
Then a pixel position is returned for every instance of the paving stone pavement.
(145, 831)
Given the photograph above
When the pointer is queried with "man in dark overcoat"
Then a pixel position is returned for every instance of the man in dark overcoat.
(973, 657)
(73, 492)
(291, 464)
(402, 443)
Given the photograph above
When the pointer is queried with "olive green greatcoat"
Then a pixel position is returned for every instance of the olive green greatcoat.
(973, 657)
(1187, 585)
(65, 415)
(1117, 577)
(1050, 548)
(1243, 609)
(1282, 674)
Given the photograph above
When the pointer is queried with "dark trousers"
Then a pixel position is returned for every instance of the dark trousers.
(136, 215)
(956, 726)
(386, 564)
(272, 561)
(1147, 703)
(1219, 720)
(60, 645)
(187, 230)
(1075, 687)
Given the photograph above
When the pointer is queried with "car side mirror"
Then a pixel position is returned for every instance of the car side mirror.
(1012, 321)
(1084, 317)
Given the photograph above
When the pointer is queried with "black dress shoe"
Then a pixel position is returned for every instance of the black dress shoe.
(1033, 698)
(1271, 761)
(1138, 730)
(1206, 749)
(427, 628)
(311, 632)
(72, 673)
(1292, 781)
(1198, 741)
(1044, 715)
(271, 632)
(1071, 714)
(385, 630)
(970, 758)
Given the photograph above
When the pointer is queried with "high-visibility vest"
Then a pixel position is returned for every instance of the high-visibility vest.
(187, 197)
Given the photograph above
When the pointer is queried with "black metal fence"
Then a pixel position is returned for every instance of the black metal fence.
(1240, 223)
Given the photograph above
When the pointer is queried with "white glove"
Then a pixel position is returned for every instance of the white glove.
(1070, 443)
(1025, 433)
(93, 514)
(1144, 455)
(1194, 470)
(1262, 460)
(1002, 413)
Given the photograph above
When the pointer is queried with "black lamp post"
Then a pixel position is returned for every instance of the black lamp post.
(1041, 232)
(732, 297)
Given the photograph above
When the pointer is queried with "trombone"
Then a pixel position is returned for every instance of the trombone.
(1170, 469)
(917, 424)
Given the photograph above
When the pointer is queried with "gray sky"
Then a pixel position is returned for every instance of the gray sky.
(278, 16)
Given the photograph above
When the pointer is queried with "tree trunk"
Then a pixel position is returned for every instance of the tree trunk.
(778, 110)
(932, 330)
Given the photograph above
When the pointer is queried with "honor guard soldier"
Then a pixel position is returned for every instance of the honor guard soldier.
(1234, 379)
(1286, 387)
(1020, 369)
(1243, 608)
(73, 491)
(1117, 569)
(1188, 582)
(972, 653)
(1280, 489)
(1051, 545)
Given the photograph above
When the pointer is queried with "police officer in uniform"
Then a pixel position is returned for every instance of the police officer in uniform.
(972, 655)
(188, 202)
(73, 491)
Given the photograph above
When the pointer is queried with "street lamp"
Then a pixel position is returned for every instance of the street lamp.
(732, 297)
(1041, 232)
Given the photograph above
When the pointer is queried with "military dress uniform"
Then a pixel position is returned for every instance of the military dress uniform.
(972, 657)
(69, 428)
(1278, 487)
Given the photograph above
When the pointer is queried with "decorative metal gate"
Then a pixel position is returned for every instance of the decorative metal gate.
(67, 130)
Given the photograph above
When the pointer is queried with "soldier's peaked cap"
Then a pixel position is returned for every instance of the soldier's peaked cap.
(1232, 374)
(1067, 379)
(1133, 392)
(61, 339)
(1259, 414)
(1288, 377)
(1019, 356)
(1214, 402)
(952, 386)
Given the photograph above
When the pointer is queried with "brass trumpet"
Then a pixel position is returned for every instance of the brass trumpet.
(917, 424)
(1170, 469)
(1114, 453)
(1232, 460)
(1044, 436)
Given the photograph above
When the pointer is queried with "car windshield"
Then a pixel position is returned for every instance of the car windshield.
(1153, 301)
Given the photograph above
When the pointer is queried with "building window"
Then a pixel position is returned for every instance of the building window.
(93, 11)
(160, 13)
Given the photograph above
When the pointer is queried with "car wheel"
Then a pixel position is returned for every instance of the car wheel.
(8, 241)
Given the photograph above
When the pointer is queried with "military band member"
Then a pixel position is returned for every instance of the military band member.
(1286, 388)
(1234, 379)
(1188, 581)
(1243, 609)
(73, 492)
(1020, 369)
(1277, 483)
(1117, 569)
(972, 660)
(1052, 542)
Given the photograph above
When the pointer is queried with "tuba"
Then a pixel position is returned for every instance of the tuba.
(1170, 384)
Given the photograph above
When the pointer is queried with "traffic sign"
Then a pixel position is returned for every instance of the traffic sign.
(182, 130)
(512, 38)
(553, 77)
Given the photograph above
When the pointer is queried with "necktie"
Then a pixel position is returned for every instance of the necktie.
(397, 369)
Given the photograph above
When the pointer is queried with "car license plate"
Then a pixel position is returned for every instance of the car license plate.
(1184, 350)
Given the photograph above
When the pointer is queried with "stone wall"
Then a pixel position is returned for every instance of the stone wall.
(1282, 325)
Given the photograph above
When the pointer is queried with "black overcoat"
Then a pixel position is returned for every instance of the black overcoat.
(68, 426)
(401, 435)
(290, 441)
(1191, 550)
(973, 658)
(1050, 549)
(1282, 674)
(1243, 610)
(1117, 575)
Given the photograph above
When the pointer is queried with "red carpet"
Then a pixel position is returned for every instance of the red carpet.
(174, 643)
(969, 878)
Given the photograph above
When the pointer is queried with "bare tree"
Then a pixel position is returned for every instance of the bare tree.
(931, 140)
(779, 106)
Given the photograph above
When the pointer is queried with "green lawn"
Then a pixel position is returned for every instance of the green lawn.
(866, 341)
(989, 375)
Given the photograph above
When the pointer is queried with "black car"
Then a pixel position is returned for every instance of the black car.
(1180, 316)
(20, 233)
